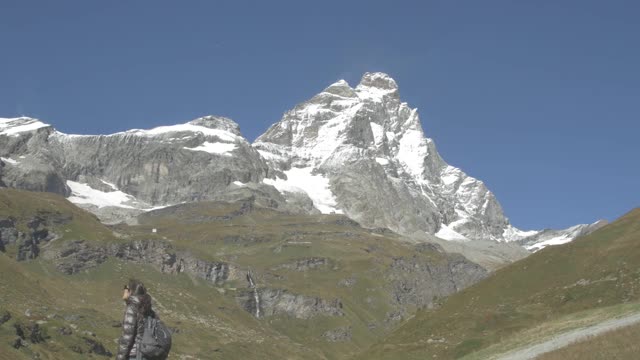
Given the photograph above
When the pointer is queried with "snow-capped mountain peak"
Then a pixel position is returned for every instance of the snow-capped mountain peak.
(221, 128)
(217, 122)
(343, 129)
(376, 86)
(340, 88)
(20, 125)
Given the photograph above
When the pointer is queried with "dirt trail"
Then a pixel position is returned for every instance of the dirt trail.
(562, 340)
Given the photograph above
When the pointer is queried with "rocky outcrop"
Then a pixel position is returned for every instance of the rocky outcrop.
(304, 264)
(8, 233)
(31, 332)
(96, 347)
(280, 302)
(340, 334)
(4, 317)
(416, 281)
(75, 256)
(28, 244)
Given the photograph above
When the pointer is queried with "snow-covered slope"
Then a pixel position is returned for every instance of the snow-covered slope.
(550, 237)
(15, 126)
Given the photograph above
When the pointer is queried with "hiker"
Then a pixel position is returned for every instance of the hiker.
(132, 344)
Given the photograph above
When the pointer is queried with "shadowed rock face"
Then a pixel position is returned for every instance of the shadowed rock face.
(76, 256)
(338, 335)
(305, 264)
(265, 302)
(8, 233)
(420, 283)
(29, 243)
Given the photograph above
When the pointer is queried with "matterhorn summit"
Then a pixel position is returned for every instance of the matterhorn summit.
(369, 151)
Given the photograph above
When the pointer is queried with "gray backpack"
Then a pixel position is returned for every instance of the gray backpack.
(156, 340)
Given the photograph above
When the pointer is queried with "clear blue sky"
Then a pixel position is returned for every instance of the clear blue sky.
(539, 99)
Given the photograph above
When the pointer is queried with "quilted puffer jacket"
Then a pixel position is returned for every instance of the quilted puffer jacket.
(133, 326)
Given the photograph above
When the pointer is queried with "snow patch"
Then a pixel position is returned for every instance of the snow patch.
(412, 152)
(215, 148)
(382, 161)
(315, 186)
(391, 135)
(10, 161)
(221, 134)
(450, 175)
(459, 222)
(111, 185)
(559, 240)
(84, 194)
(331, 135)
(372, 93)
(239, 183)
(15, 126)
(447, 233)
(269, 155)
(378, 133)
(514, 234)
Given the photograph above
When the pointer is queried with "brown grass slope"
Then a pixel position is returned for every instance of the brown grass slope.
(73, 313)
(595, 271)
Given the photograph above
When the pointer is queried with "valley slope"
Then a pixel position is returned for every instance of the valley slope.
(322, 287)
(590, 279)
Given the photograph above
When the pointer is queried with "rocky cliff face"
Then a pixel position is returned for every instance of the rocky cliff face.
(135, 169)
(368, 149)
(28, 243)
(78, 255)
(420, 283)
(74, 256)
(265, 302)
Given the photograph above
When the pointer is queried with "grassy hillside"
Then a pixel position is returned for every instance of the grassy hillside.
(322, 257)
(268, 242)
(209, 323)
(598, 271)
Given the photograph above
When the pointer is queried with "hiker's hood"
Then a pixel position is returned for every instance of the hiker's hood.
(142, 302)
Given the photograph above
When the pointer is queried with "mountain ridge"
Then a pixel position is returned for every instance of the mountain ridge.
(340, 151)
